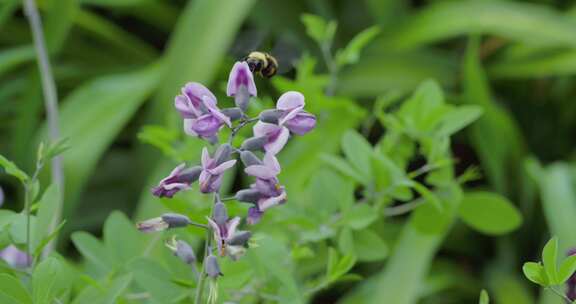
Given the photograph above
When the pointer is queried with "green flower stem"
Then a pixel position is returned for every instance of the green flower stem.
(207, 249)
(50, 103)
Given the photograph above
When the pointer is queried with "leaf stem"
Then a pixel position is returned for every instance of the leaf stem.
(50, 103)
(237, 129)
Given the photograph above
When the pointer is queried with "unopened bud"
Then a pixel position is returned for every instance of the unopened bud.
(220, 214)
(233, 113)
(240, 238)
(222, 153)
(270, 116)
(248, 195)
(249, 159)
(254, 143)
(190, 175)
(175, 220)
(182, 250)
(211, 267)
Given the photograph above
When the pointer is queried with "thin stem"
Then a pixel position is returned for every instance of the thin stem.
(50, 103)
(241, 125)
(563, 296)
(332, 67)
(402, 209)
(207, 249)
(27, 204)
(226, 199)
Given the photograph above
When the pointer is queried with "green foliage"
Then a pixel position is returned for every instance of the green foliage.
(489, 213)
(548, 273)
(484, 298)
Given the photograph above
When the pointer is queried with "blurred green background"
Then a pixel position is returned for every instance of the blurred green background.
(119, 63)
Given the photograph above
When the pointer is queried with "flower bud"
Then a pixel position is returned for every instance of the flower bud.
(242, 98)
(222, 153)
(220, 214)
(249, 159)
(152, 225)
(182, 250)
(254, 143)
(211, 267)
(190, 175)
(248, 195)
(233, 113)
(270, 116)
(175, 220)
(241, 238)
(254, 215)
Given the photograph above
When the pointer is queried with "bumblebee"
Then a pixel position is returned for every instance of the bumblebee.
(262, 63)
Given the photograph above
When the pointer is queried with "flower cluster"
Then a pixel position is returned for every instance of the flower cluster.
(204, 119)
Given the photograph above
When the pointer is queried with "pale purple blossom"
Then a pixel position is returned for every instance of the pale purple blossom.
(241, 84)
(276, 136)
(293, 116)
(202, 118)
(182, 250)
(229, 240)
(213, 168)
(15, 257)
(166, 221)
(179, 179)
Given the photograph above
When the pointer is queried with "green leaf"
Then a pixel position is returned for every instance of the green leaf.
(11, 58)
(155, 279)
(47, 281)
(107, 295)
(489, 213)
(122, 240)
(428, 195)
(351, 53)
(48, 206)
(92, 250)
(12, 291)
(91, 124)
(567, 269)
(458, 118)
(18, 228)
(484, 298)
(319, 29)
(549, 258)
(359, 152)
(359, 216)
(337, 267)
(524, 22)
(535, 273)
(47, 239)
(343, 167)
(13, 170)
(369, 246)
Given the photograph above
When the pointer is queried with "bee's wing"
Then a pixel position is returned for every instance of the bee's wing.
(287, 52)
(247, 41)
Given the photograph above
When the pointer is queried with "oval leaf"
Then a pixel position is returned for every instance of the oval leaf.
(489, 213)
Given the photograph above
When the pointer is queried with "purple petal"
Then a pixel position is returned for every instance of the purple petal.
(240, 75)
(254, 216)
(260, 171)
(206, 160)
(222, 167)
(216, 112)
(264, 129)
(272, 201)
(271, 162)
(217, 234)
(206, 125)
(277, 142)
(195, 93)
(188, 127)
(267, 187)
(290, 100)
(211, 183)
(184, 106)
(15, 257)
(290, 114)
(231, 226)
(301, 123)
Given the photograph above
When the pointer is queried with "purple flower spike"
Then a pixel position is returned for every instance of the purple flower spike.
(15, 257)
(571, 283)
(294, 117)
(241, 84)
(276, 136)
(213, 169)
(254, 216)
(179, 179)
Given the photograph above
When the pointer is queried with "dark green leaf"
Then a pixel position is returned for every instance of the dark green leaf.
(13, 170)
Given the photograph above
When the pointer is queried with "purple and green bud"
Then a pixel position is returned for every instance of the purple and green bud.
(233, 113)
(254, 143)
(213, 168)
(179, 179)
(249, 159)
(271, 116)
